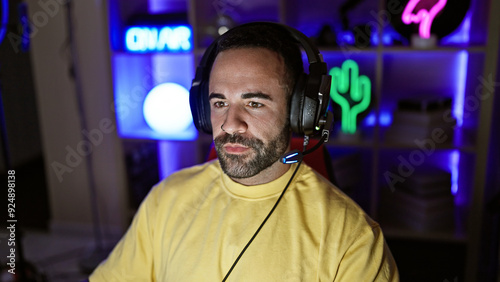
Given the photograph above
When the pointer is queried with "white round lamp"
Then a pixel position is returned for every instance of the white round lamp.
(166, 109)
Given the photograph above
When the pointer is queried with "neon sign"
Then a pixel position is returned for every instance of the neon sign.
(352, 92)
(423, 17)
(158, 39)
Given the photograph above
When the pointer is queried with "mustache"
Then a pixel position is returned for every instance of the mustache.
(238, 139)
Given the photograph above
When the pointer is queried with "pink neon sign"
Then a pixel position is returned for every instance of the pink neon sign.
(424, 17)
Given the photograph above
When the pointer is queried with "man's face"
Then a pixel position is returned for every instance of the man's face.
(248, 100)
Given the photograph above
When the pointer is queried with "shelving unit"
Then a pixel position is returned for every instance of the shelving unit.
(396, 72)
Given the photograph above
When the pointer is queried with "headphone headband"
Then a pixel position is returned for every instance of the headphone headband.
(310, 96)
(312, 52)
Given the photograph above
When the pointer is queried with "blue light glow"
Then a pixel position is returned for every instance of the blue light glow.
(387, 38)
(166, 109)
(454, 163)
(134, 76)
(462, 34)
(143, 39)
(166, 6)
(5, 19)
(458, 112)
(370, 120)
(384, 120)
(346, 37)
(292, 158)
(458, 107)
(167, 158)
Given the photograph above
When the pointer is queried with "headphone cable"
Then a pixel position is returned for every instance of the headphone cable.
(324, 137)
(262, 224)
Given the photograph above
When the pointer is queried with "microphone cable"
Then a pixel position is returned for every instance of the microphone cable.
(263, 222)
(299, 161)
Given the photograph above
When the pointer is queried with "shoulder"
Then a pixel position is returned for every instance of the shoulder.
(330, 201)
(195, 173)
(310, 181)
(188, 179)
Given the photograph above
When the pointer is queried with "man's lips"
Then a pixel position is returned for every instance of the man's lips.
(235, 148)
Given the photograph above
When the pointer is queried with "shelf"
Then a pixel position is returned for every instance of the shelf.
(398, 232)
(386, 49)
(341, 50)
(335, 142)
(446, 147)
(400, 222)
(402, 49)
(440, 49)
(368, 141)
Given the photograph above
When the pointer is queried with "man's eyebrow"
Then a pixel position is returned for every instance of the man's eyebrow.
(216, 96)
(258, 95)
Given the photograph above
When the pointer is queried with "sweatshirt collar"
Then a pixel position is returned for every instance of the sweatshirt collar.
(257, 192)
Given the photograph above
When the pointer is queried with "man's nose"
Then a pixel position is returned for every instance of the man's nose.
(234, 123)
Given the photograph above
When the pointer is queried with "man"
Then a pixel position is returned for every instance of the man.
(194, 225)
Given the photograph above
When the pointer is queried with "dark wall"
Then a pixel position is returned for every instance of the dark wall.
(20, 139)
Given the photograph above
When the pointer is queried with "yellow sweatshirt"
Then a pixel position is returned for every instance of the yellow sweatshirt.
(193, 225)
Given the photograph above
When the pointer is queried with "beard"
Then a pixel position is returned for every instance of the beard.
(261, 155)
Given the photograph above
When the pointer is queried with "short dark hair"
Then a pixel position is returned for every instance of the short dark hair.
(271, 37)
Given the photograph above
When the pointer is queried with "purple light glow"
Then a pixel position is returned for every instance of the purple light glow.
(135, 76)
(168, 160)
(167, 6)
(458, 112)
(370, 119)
(454, 164)
(385, 119)
(458, 107)
(462, 35)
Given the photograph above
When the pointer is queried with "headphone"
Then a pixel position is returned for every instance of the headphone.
(310, 96)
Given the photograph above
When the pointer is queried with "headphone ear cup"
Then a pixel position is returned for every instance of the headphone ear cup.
(193, 103)
(205, 121)
(198, 101)
(297, 104)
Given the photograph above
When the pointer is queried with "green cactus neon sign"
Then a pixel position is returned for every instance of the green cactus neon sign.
(352, 92)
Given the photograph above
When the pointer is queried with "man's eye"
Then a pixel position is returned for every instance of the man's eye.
(255, 105)
(220, 104)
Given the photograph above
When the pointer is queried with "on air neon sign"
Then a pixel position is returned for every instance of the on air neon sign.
(352, 92)
(423, 17)
(158, 39)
